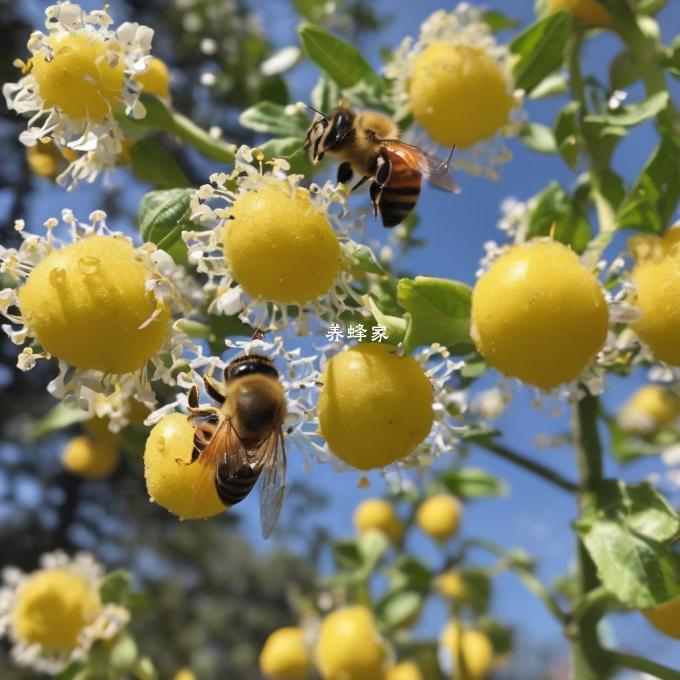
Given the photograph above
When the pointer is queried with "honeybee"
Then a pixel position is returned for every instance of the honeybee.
(242, 439)
(368, 144)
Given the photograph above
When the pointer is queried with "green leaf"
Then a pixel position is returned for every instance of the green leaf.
(497, 21)
(123, 654)
(372, 546)
(398, 608)
(57, 418)
(346, 555)
(439, 311)
(73, 671)
(501, 636)
(469, 482)
(633, 114)
(540, 49)
(672, 63)
(538, 137)
(552, 85)
(623, 71)
(627, 530)
(340, 60)
(627, 447)
(408, 573)
(326, 94)
(153, 164)
(477, 588)
(652, 201)
(158, 116)
(163, 215)
(222, 327)
(566, 132)
(556, 213)
(396, 326)
(290, 149)
(114, 587)
(272, 119)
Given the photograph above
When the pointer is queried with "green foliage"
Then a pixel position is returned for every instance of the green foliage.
(470, 483)
(270, 118)
(163, 215)
(153, 164)
(627, 530)
(540, 49)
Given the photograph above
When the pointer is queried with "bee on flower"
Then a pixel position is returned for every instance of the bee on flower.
(79, 74)
(54, 615)
(274, 252)
(100, 306)
(456, 81)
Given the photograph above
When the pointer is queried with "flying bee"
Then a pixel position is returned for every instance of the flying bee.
(242, 440)
(368, 144)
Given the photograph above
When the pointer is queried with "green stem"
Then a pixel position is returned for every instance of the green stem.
(538, 469)
(590, 660)
(213, 148)
(637, 663)
(594, 599)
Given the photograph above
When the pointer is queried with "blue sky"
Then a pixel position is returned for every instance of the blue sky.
(533, 516)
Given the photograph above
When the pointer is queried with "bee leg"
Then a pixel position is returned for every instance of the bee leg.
(360, 182)
(376, 195)
(192, 397)
(344, 173)
(214, 389)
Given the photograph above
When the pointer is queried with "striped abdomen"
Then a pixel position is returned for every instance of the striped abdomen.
(234, 488)
(400, 193)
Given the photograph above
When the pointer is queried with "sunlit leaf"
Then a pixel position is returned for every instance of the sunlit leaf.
(633, 114)
(469, 482)
(163, 215)
(57, 418)
(398, 608)
(497, 21)
(153, 164)
(274, 119)
(538, 137)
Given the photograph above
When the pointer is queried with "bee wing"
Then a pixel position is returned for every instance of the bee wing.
(434, 169)
(273, 479)
(221, 446)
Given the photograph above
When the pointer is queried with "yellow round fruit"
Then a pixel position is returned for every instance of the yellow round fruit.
(650, 408)
(538, 314)
(52, 608)
(588, 12)
(86, 301)
(439, 516)
(666, 618)
(281, 247)
(377, 513)
(170, 483)
(656, 277)
(476, 650)
(285, 655)
(79, 79)
(156, 78)
(349, 646)
(43, 159)
(375, 407)
(184, 674)
(406, 670)
(459, 94)
(91, 459)
(451, 585)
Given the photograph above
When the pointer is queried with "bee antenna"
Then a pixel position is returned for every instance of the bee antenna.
(311, 108)
(258, 334)
(448, 160)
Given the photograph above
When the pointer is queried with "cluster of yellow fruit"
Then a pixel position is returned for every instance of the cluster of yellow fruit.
(349, 647)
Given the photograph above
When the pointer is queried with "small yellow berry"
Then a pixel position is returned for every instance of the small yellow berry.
(80, 79)
(285, 655)
(588, 12)
(406, 670)
(375, 407)
(349, 646)
(52, 608)
(666, 618)
(538, 314)
(458, 94)
(184, 674)
(376, 513)
(656, 277)
(650, 408)
(475, 648)
(156, 79)
(91, 459)
(451, 585)
(86, 301)
(281, 247)
(168, 482)
(43, 159)
(439, 516)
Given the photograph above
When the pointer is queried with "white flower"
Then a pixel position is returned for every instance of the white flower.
(79, 73)
(76, 296)
(211, 208)
(54, 615)
(429, 85)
